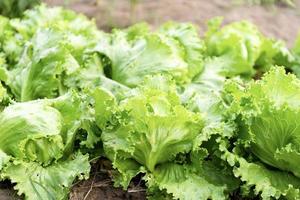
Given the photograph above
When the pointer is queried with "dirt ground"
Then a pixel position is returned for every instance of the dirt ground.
(100, 186)
(278, 21)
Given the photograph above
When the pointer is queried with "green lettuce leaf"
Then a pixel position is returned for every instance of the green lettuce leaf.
(131, 61)
(41, 130)
(39, 68)
(2, 93)
(105, 103)
(151, 126)
(259, 179)
(238, 44)
(37, 147)
(201, 179)
(188, 37)
(4, 98)
(268, 183)
(183, 184)
(48, 68)
(10, 44)
(46, 53)
(243, 49)
(52, 182)
(4, 159)
(267, 113)
(175, 49)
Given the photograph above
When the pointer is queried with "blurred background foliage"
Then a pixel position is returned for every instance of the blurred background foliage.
(15, 8)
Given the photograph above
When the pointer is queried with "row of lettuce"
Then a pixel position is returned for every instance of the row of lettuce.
(199, 117)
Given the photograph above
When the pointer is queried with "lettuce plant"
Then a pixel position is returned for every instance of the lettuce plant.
(37, 146)
(213, 117)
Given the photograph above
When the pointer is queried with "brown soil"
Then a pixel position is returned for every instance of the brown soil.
(100, 186)
(6, 194)
(276, 21)
(6, 191)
